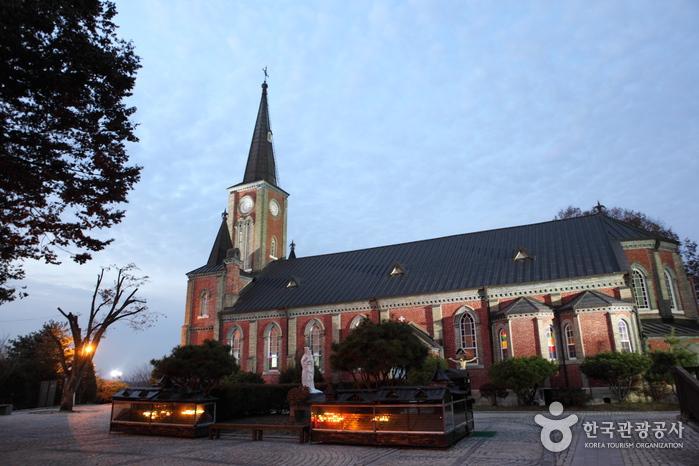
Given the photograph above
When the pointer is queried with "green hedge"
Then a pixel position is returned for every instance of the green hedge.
(237, 400)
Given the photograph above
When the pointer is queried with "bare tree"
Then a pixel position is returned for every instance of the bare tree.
(141, 376)
(109, 305)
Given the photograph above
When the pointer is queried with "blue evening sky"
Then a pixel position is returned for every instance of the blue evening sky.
(393, 121)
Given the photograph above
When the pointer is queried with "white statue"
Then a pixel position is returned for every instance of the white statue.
(462, 362)
(307, 370)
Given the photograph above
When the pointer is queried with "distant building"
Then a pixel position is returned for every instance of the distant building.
(562, 289)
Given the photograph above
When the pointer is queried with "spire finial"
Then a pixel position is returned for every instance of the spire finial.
(224, 215)
(599, 208)
(292, 253)
(264, 70)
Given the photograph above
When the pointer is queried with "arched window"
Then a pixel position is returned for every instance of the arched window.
(204, 304)
(314, 340)
(356, 322)
(466, 338)
(245, 238)
(273, 345)
(570, 341)
(624, 338)
(235, 341)
(551, 343)
(672, 289)
(639, 288)
(273, 248)
(504, 344)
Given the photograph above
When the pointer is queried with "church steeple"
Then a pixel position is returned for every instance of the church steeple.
(258, 206)
(261, 164)
(222, 243)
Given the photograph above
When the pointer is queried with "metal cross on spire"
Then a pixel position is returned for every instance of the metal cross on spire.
(599, 208)
(264, 70)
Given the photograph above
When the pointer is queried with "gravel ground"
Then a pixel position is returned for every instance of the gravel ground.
(49, 437)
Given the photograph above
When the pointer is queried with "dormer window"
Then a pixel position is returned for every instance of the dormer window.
(292, 283)
(521, 255)
(397, 269)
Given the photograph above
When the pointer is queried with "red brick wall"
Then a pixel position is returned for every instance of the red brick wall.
(595, 332)
(421, 315)
(198, 337)
(233, 282)
(199, 284)
(275, 226)
(640, 256)
(524, 335)
(210, 284)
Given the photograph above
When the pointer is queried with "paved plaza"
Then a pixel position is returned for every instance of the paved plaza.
(48, 437)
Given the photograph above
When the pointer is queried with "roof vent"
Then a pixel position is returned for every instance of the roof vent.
(292, 283)
(521, 255)
(397, 269)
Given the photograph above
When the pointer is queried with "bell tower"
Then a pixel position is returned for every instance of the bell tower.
(257, 207)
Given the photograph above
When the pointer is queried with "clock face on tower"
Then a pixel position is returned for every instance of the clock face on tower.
(246, 204)
(274, 208)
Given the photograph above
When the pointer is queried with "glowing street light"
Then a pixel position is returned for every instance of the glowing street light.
(116, 374)
(88, 349)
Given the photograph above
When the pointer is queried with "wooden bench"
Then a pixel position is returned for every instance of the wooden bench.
(302, 429)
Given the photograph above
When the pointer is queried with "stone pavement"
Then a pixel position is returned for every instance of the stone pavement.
(49, 437)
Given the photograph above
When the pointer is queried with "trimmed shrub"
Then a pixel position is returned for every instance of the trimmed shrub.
(659, 375)
(196, 367)
(379, 354)
(293, 374)
(619, 370)
(424, 374)
(492, 392)
(244, 377)
(522, 375)
(236, 400)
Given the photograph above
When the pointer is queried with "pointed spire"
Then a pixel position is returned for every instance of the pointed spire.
(261, 164)
(292, 247)
(222, 243)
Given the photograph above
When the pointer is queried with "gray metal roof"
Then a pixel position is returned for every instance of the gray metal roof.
(561, 249)
(658, 328)
(523, 306)
(261, 165)
(222, 244)
(591, 300)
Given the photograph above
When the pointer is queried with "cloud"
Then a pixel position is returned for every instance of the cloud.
(393, 122)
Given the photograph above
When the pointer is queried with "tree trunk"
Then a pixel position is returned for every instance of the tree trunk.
(69, 388)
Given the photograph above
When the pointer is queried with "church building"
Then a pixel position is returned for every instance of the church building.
(563, 289)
